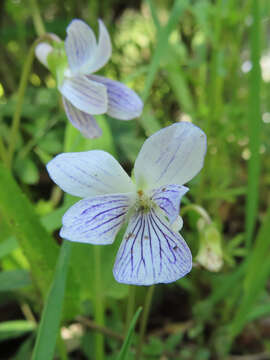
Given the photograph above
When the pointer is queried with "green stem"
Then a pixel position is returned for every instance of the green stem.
(37, 19)
(144, 319)
(130, 306)
(21, 91)
(199, 210)
(99, 305)
(254, 125)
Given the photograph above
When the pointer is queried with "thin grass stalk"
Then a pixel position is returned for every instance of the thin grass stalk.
(144, 319)
(254, 124)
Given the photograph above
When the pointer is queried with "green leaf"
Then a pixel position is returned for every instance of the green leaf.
(38, 246)
(13, 329)
(15, 279)
(51, 315)
(125, 347)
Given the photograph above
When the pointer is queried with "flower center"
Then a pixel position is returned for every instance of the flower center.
(143, 202)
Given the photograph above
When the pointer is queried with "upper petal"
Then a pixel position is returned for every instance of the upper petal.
(96, 220)
(80, 44)
(85, 94)
(85, 123)
(89, 173)
(102, 52)
(173, 155)
(151, 252)
(42, 51)
(123, 103)
(168, 198)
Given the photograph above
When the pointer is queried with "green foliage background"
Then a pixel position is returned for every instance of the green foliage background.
(190, 60)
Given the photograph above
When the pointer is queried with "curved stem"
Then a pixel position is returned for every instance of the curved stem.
(199, 210)
(144, 319)
(37, 19)
(21, 91)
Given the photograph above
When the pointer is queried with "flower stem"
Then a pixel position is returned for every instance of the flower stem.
(130, 306)
(37, 19)
(21, 91)
(3, 151)
(99, 305)
(144, 319)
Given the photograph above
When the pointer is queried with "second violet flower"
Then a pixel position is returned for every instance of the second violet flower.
(84, 94)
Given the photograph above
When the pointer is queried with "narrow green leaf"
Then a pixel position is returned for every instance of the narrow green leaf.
(125, 347)
(161, 48)
(13, 329)
(51, 316)
(257, 274)
(13, 280)
(37, 245)
(254, 124)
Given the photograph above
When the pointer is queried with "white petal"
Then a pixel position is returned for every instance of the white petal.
(85, 123)
(168, 198)
(80, 44)
(89, 173)
(123, 103)
(151, 252)
(173, 155)
(102, 53)
(96, 220)
(85, 94)
(42, 51)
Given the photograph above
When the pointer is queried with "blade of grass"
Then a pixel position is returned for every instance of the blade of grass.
(125, 347)
(162, 44)
(50, 321)
(254, 125)
(257, 274)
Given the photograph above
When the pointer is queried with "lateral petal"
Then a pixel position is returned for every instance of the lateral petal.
(80, 45)
(95, 220)
(151, 252)
(173, 155)
(89, 173)
(168, 198)
(85, 94)
(123, 103)
(85, 123)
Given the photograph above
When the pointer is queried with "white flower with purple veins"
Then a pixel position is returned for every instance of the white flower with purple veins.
(152, 250)
(84, 94)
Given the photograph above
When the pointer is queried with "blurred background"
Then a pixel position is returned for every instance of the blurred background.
(203, 61)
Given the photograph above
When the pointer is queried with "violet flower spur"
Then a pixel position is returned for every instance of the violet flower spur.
(152, 250)
(84, 94)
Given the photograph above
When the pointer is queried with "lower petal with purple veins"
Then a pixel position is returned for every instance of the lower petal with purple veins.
(85, 123)
(151, 252)
(96, 220)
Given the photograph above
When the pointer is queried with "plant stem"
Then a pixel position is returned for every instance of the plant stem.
(99, 305)
(130, 306)
(37, 19)
(144, 319)
(254, 125)
(21, 91)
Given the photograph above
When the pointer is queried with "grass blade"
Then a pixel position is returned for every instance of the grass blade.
(51, 316)
(124, 350)
(254, 125)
